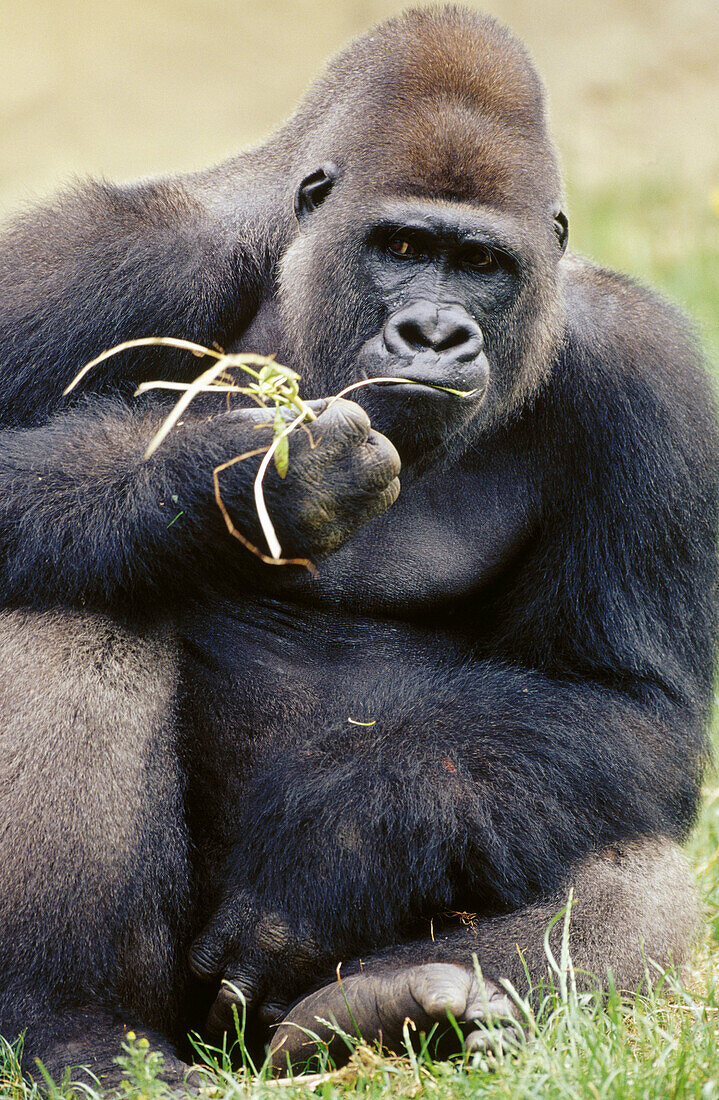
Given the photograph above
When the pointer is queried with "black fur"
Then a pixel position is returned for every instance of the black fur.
(527, 633)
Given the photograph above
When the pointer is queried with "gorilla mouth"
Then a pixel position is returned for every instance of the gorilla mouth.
(439, 391)
(424, 376)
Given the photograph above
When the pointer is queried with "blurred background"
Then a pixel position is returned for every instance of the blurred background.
(124, 89)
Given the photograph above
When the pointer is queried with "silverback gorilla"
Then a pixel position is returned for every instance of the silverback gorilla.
(497, 687)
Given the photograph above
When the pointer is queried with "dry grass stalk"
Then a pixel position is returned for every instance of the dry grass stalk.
(273, 385)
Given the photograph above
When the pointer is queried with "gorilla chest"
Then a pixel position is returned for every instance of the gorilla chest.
(446, 538)
(396, 597)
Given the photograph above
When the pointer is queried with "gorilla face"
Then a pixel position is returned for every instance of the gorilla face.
(440, 293)
(429, 232)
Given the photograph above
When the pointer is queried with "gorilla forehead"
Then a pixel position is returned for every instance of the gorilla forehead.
(450, 151)
(441, 102)
(446, 50)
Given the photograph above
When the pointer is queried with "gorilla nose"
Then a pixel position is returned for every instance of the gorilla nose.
(449, 331)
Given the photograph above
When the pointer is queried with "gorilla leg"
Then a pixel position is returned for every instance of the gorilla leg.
(480, 793)
(634, 905)
(93, 863)
(90, 1037)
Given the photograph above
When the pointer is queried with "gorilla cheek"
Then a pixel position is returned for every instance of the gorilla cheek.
(323, 317)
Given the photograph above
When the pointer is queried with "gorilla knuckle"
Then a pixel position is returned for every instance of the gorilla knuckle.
(317, 511)
(440, 988)
(205, 958)
(377, 462)
(345, 422)
(388, 496)
(273, 935)
(252, 417)
(241, 985)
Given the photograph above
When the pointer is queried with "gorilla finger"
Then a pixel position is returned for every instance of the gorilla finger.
(315, 1020)
(372, 1007)
(198, 1079)
(291, 413)
(440, 988)
(376, 463)
(486, 1001)
(478, 1041)
(271, 1012)
(363, 506)
(500, 1036)
(238, 995)
(342, 424)
(205, 957)
(224, 933)
(256, 415)
(374, 504)
(318, 406)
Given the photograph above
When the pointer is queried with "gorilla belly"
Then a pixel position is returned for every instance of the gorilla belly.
(269, 671)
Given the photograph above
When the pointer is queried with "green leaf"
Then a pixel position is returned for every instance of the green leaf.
(282, 452)
(282, 456)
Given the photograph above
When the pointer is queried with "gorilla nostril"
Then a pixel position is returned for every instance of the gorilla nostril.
(415, 336)
(454, 337)
(423, 326)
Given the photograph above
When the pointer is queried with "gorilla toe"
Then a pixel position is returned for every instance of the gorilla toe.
(375, 1007)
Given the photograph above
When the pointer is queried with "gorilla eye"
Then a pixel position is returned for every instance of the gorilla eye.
(481, 258)
(400, 245)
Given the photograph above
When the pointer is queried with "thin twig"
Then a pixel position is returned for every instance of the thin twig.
(262, 513)
(310, 566)
(273, 383)
(144, 341)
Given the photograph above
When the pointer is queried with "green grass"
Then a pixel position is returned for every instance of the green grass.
(661, 1045)
(663, 233)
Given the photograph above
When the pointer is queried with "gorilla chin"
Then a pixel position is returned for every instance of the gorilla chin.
(421, 415)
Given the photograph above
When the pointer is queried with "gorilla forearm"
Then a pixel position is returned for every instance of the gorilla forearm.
(514, 777)
(81, 481)
(106, 264)
(84, 518)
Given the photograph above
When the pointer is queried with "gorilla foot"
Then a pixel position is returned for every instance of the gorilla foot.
(375, 1006)
(93, 1054)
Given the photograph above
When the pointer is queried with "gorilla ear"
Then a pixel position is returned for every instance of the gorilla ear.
(314, 189)
(561, 227)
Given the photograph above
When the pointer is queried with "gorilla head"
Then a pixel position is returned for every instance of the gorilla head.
(429, 225)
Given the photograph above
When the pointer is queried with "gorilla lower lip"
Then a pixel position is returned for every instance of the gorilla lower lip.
(446, 389)
(414, 383)
(408, 383)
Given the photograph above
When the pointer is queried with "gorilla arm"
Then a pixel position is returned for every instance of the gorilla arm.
(108, 263)
(484, 798)
(85, 519)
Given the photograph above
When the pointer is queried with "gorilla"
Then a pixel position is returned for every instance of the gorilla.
(222, 779)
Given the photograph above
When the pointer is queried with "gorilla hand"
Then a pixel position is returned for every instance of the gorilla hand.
(341, 474)
(264, 961)
(376, 1004)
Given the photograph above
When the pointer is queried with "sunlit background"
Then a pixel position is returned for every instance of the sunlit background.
(144, 86)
